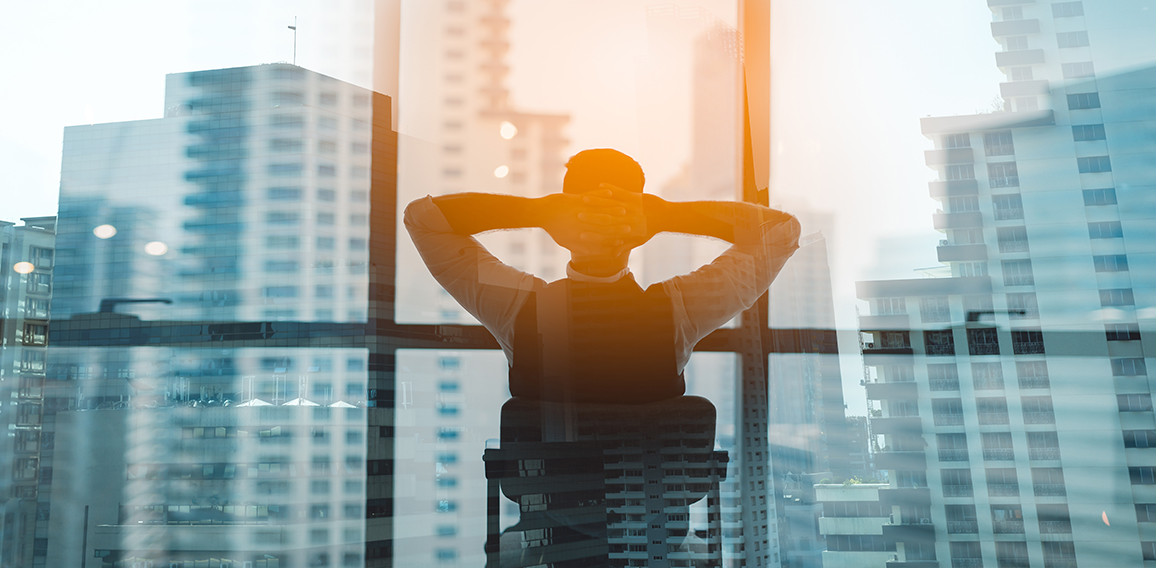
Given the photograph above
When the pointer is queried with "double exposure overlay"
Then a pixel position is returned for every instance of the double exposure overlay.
(569, 283)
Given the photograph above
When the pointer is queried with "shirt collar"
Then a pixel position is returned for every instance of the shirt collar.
(580, 277)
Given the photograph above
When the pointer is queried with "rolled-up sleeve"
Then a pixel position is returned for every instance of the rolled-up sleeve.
(490, 290)
(709, 297)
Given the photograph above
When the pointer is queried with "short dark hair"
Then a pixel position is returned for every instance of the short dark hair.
(588, 168)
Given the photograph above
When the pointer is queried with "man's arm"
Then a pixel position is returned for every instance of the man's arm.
(561, 215)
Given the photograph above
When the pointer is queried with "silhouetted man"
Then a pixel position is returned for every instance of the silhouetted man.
(597, 336)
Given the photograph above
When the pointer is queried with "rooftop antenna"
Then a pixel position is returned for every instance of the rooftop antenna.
(294, 28)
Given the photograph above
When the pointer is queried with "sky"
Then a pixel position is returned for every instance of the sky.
(850, 81)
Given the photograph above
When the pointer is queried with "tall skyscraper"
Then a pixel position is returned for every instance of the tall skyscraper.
(26, 262)
(1013, 397)
(215, 390)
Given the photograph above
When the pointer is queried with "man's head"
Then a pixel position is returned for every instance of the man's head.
(588, 168)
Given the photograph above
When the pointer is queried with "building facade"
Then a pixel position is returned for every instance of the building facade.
(1013, 397)
(26, 261)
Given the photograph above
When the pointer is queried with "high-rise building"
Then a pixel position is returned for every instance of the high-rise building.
(26, 262)
(1013, 397)
(215, 388)
(466, 134)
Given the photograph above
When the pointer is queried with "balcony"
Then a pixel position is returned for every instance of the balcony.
(949, 156)
(957, 220)
(966, 563)
(948, 419)
(1050, 490)
(1013, 246)
(1007, 527)
(1003, 181)
(989, 383)
(983, 348)
(1028, 347)
(954, 253)
(992, 417)
(1043, 454)
(953, 188)
(1021, 57)
(962, 527)
(1039, 417)
(999, 454)
(958, 491)
(1015, 27)
(939, 349)
(1023, 89)
(944, 384)
(1050, 562)
(1004, 490)
(1034, 383)
(1008, 213)
(951, 454)
(1056, 527)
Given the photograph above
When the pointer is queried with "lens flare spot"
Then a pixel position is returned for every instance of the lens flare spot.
(1105, 517)
(104, 231)
(501, 171)
(156, 248)
(23, 267)
(508, 130)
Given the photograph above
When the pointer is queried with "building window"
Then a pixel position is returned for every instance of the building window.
(1129, 367)
(1106, 196)
(956, 482)
(939, 342)
(1077, 70)
(991, 410)
(1117, 297)
(1038, 410)
(1022, 305)
(1067, 9)
(1094, 164)
(1122, 331)
(997, 446)
(282, 217)
(1072, 39)
(1134, 402)
(283, 194)
(1139, 438)
(1002, 482)
(1086, 132)
(968, 553)
(987, 376)
(1012, 239)
(952, 447)
(1146, 513)
(934, 309)
(1003, 175)
(1027, 342)
(957, 141)
(947, 412)
(1043, 446)
(1032, 374)
(284, 170)
(943, 377)
(1021, 73)
(972, 269)
(962, 172)
(1105, 230)
(1013, 13)
(1000, 143)
(983, 341)
(1007, 207)
(963, 204)
(1144, 475)
(1110, 263)
(1083, 101)
(1016, 43)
